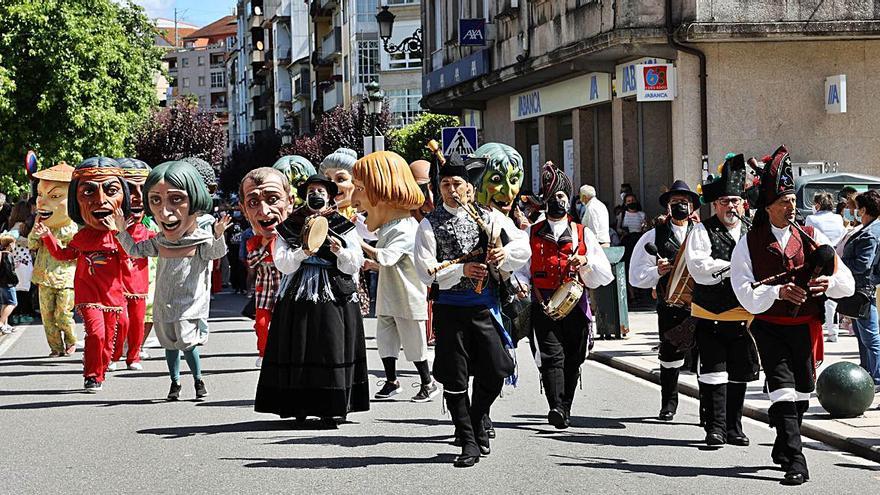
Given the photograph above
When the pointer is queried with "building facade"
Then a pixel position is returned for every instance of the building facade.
(198, 69)
(559, 80)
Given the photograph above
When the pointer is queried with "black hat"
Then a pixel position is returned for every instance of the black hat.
(554, 180)
(332, 190)
(679, 187)
(469, 169)
(731, 183)
(777, 178)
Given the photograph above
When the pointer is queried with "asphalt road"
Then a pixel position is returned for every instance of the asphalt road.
(126, 439)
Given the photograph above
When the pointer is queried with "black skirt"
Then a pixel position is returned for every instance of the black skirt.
(315, 362)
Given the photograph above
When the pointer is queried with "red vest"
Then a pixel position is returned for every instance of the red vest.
(549, 258)
(768, 259)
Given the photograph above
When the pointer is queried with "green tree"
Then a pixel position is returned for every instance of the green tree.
(410, 141)
(180, 131)
(76, 80)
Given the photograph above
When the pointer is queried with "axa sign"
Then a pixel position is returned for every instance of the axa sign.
(472, 32)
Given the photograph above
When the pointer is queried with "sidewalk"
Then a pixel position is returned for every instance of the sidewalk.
(636, 354)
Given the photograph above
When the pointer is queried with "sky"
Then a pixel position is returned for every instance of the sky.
(198, 12)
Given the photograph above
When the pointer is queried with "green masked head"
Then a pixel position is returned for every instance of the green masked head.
(503, 176)
(297, 169)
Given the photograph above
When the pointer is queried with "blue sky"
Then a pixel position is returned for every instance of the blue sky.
(198, 12)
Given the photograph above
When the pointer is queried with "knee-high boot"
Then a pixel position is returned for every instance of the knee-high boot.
(713, 400)
(788, 447)
(459, 408)
(668, 392)
(554, 386)
(484, 395)
(572, 375)
(736, 394)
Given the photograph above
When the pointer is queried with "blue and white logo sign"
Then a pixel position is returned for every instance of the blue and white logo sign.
(835, 94)
(472, 32)
(461, 141)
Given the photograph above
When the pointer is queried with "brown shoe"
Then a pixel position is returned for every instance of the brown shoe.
(69, 350)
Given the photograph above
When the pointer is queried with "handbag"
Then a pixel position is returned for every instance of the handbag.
(857, 305)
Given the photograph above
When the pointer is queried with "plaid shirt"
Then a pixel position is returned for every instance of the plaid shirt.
(268, 277)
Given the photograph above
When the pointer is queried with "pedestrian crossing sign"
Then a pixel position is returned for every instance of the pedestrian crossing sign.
(461, 141)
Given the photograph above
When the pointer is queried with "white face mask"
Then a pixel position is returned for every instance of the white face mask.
(622, 197)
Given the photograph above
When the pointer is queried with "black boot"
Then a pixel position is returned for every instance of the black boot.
(784, 415)
(572, 379)
(713, 399)
(554, 386)
(668, 393)
(736, 393)
(484, 395)
(458, 407)
(701, 391)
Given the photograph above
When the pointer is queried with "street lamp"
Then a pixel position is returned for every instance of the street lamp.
(410, 44)
(373, 104)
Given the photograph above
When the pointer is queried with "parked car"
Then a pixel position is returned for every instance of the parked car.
(806, 186)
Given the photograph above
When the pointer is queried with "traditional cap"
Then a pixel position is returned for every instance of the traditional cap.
(421, 170)
(554, 180)
(679, 187)
(97, 167)
(777, 178)
(732, 181)
(332, 190)
(133, 168)
(62, 172)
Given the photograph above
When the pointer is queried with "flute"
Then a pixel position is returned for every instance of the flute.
(774, 278)
(448, 263)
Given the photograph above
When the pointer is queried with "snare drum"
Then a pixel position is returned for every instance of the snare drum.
(564, 300)
(314, 233)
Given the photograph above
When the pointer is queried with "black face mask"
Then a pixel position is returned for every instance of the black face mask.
(555, 208)
(633, 206)
(316, 202)
(680, 211)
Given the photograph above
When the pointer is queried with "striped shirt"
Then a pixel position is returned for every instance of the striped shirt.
(268, 277)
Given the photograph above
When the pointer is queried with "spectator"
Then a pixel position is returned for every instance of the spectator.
(24, 269)
(5, 210)
(860, 256)
(632, 219)
(848, 194)
(8, 281)
(625, 189)
(237, 269)
(830, 224)
(18, 218)
(595, 215)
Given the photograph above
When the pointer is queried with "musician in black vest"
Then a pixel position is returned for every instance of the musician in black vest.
(728, 358)
(470, 339)
(649, 270)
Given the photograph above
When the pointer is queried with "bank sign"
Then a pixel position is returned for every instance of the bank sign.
(835, 94)
(581, 91)
(655, 82)
(472, 32)
(626, 79)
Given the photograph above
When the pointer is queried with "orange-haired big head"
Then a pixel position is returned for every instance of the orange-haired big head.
(384, 188)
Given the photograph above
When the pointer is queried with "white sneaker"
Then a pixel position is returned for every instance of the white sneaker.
(6, 329)
(136, 366)
(111, 367)
(259, 363)
(144, 354)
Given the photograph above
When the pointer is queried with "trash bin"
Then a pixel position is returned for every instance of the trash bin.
(610, 311)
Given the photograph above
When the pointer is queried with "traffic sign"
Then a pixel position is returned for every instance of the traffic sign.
(461, 141)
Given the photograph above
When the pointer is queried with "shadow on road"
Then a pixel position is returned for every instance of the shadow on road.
(351, 441)
(73, 403)
(669, 471)
(172, 432)
(340, 462)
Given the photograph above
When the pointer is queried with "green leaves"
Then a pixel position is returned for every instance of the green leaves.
(410, 141)
(76, 80)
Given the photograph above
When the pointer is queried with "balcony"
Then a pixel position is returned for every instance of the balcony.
(328, 4)
(282, 56)
(283, 94)
(331, 46)
(332, 97)
(301, 84)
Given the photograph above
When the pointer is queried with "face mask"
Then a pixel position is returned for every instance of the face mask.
(316, 202)
(622, 197)
(556, 208)
(680, 211)
(633, 206)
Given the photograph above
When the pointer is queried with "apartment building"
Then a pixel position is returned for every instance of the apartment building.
(198, 69)
(560, 80)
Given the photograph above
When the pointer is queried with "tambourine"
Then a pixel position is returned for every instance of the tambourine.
(314, 233)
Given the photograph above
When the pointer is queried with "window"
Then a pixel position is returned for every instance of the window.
(185, 82)
(201, 60)
(404, 105)
(217, 80)
(398, 61)
(184, 62)
(202, 101)
(201, 81)
(403, 61)
(368, 60)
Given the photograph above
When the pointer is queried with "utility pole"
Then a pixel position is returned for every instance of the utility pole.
(176, 41)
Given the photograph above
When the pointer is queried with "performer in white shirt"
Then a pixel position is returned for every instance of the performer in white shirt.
(650, 271)
(788, 309)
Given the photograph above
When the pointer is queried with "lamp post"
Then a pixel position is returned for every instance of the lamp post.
(373, 103)
(410, 44)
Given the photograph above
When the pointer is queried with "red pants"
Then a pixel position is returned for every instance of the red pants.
(100, 329)
(131, 330)
(261, 327)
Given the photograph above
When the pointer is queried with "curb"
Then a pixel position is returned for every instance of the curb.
(809, 430)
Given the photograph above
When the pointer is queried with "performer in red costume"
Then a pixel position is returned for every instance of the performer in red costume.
(99, 190)
(135, 271)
